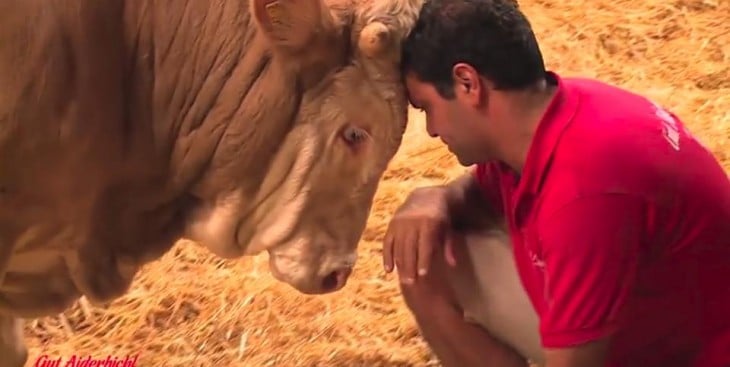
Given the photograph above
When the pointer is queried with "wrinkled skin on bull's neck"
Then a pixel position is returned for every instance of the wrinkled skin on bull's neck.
(246, 126)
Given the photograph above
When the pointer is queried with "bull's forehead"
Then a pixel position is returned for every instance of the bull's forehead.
(368, 86)
(353, 95)
(369, 96)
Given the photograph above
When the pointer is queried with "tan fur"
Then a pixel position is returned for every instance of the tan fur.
(125, 124)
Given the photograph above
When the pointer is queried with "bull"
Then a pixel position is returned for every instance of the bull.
(244, 125)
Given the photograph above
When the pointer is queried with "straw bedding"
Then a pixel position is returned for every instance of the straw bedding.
(191, 309)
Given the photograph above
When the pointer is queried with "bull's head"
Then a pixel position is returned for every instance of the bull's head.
(310, 210)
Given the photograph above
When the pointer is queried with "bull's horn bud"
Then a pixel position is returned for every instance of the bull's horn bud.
(373, 39)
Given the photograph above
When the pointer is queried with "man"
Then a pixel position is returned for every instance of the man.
(618, 219)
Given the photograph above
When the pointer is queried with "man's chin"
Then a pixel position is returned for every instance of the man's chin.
(459, 157)
(464, 161)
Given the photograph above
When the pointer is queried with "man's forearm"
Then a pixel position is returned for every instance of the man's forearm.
(468, 208)
(458, 343)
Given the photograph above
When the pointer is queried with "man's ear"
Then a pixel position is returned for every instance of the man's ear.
(467, 83)
(293, 25)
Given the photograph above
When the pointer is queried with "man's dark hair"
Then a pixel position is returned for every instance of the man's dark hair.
(493, 36)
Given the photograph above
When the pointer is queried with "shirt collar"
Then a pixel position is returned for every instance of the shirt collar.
(555, 120)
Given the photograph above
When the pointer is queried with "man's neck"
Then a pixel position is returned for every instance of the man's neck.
(523, 113)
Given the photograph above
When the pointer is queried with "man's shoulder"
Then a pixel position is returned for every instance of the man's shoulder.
(614, 127)
(622, 142)
(617, 141)
(604, 101)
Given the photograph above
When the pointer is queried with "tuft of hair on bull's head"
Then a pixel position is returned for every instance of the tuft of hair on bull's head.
(311, 207)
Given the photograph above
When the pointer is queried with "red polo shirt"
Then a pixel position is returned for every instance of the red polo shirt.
(621, 226)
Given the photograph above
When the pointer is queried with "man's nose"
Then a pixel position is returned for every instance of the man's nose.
(429, 128)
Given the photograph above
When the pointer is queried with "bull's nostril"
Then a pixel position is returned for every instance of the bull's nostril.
(330, 281)
(336, 279)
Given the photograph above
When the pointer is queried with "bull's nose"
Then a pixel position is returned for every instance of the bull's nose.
(336, 279)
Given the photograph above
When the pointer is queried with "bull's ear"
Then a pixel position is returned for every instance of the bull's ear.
(307, 31)
(293, 25)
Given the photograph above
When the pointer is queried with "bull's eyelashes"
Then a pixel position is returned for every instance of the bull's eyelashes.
(353, 135)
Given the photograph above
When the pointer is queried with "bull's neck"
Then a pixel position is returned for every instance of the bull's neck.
(217, 104)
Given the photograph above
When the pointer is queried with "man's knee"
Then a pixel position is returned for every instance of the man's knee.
(492, 296)
(420, 296)
(12, 346)
(485, 287)
(430, 289)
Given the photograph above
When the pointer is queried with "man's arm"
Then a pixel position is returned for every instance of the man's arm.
(455, 341)
(593, 353)
(458, 343)
(469, 208)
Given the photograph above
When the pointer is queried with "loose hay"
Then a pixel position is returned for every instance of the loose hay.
(191, 309)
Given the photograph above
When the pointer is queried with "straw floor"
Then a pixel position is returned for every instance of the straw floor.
(191, 309)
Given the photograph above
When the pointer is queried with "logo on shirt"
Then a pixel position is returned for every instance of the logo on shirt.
(536, 261)
(670, 126)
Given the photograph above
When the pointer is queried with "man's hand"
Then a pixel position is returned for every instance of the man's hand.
(418, 228)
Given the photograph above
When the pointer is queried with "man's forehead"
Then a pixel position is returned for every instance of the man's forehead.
(414, 89)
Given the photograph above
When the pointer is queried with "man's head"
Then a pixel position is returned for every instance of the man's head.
(460, 60)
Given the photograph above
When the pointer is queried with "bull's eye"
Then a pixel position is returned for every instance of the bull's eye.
(354, 135)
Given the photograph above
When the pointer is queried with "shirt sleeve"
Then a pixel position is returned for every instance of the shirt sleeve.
(487, 176)
(591, 250)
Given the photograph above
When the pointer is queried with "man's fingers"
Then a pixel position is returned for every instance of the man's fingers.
(388, 250)
(449, 246)
(408, 256)
(410, 246)
(430, 237)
